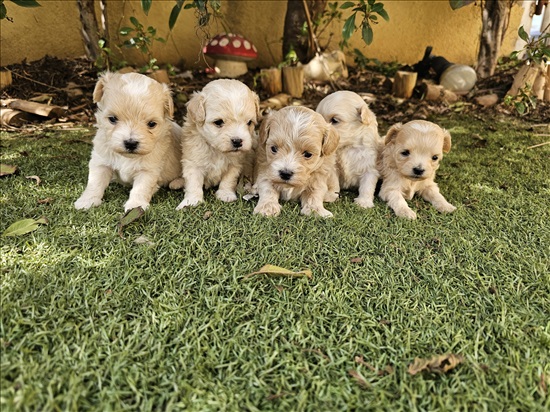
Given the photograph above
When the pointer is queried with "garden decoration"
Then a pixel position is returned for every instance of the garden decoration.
(230, 52)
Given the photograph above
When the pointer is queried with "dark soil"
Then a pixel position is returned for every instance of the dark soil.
(70, 83)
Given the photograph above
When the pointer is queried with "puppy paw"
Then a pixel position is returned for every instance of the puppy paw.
(132, 204)
(407, 213)
(176, 184)
(84, 203)
(364, 202)
(331, 197)
(189, 201)
(268, 209)
(226, 195)
(446, 208)
(321, 212)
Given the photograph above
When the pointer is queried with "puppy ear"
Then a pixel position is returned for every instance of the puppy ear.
(195, 108)
(100, 86)
(331, 139)
(367, 116)
(168, 101)
(446, 141)
(264, 129)
(392, 133)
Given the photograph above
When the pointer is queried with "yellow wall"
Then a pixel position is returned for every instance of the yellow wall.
(54, 29)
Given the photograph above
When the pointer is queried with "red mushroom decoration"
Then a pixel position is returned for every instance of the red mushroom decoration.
(230, 52)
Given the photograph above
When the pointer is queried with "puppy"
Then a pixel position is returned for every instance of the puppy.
(218, 139)
(136, 143)
(295, 160)
(408, 163)
(359, 146)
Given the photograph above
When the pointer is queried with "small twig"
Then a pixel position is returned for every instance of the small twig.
(538, 145)
(37, 82)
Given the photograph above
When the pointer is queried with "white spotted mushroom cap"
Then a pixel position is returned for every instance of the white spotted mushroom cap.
(230, 47)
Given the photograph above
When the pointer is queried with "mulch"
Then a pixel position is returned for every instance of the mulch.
(69, 83)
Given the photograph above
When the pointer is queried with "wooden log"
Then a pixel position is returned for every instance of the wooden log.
(271, 80)
(525, 77)
(293, 80)
(40, 109)
(5, 79)
(160, 76)
(404, 83)
(14, 118)
(436, 92)
(546, 96)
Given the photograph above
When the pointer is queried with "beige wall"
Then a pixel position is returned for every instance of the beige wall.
(54, 29)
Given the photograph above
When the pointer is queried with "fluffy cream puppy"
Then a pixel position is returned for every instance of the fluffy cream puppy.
(359, 145)
(218, 140)
(295, 160)
(136, 142)
(408, 163)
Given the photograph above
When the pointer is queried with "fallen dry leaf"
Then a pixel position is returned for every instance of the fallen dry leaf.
(279, 271)
(356, 260)
(45, 201)
(35, 178)
(358, 378)
(542, 384)
(7, 169)
(207, 215)
(437, 364)
(388, 369)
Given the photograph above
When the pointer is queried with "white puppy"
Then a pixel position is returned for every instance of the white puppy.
(295, 160)
(408, 163)
(359, 145)
(218, 139)
(136, 143)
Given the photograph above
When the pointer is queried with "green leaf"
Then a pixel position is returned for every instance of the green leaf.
(523, 34)
(3, 11)
(347, 5)
(146, 6)
(279, 271)
(457, 4)
(367, 34)
(174, 14)
(126, 31)
(349, 27)
(7, 169)
(24, 226)
(129, 217)
(384, 14)
(520, 107)
(26, 3)
(135, 22)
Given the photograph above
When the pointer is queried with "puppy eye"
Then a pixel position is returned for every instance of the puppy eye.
(435, 157)
(334, 120)
(405, 153)
(151, 124)
(274, 149)
(113, 119)
(307, 155)
(249, 123)
(218, 122)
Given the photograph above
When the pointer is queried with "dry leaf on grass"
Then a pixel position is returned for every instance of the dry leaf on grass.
(35, 178)
(279, 271)
(438, 363)
(358, 378)
(6, 170)
(388, 369)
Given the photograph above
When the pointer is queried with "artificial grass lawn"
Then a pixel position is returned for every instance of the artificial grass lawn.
(92, 320)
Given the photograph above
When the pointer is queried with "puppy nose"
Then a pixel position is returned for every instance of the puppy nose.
(418, 171)
(131, 145)
(285, 174)
(236, 142)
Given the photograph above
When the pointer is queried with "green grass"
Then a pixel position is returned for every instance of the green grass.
(93, 321)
